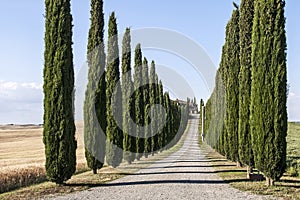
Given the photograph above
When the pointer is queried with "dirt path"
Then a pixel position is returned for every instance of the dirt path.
(186, 174)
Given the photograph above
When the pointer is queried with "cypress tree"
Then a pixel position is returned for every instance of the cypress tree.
(220, 112)
(168, 125)
(155, 133)
(146, 102)
(153, 101)
(128, 106)
(200, 119)
(268, 117)
(245, 24)
(139, 100)
(114, 145)
(147, 140)
(152, 88)
(222, 72)
(232, 86)
(59, 127)
(95, 98)
(207, 111)
(161, 117)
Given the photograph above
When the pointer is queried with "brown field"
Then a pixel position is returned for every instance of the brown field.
(22, 147)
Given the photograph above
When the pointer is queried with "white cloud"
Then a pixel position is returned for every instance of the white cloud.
(294, 106)
(7, 86)
(20, 102)
(32, 86)
(291, 94)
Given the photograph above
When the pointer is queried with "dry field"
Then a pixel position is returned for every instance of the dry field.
(22, 147)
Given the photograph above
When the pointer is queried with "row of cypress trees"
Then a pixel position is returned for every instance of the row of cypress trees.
(246, 116)
(121, 120)
(132, 125)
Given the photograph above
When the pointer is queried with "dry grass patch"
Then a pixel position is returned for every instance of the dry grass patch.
(19, 178)
(77, 183)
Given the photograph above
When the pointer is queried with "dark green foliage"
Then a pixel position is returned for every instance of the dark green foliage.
(268, 117)
(200, 119)
(245, 24)
(214, 128)
(232, 67)
(147, 140)
(95, 97)
(166, 127)
(139, 100)
(207, 121)
(220, 113)
(129, 146)
(153, 101)
(114, 144)
(161, 117)
(146, 102)
(221, 124)
(59, 127)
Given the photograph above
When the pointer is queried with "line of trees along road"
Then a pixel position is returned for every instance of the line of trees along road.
(246, 115)
(126, 115)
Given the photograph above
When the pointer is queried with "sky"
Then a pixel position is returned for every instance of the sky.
(199, 23)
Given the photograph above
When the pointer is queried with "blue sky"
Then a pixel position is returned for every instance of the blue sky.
(203, 22)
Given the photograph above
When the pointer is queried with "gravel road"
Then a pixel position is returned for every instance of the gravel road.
(185, 174)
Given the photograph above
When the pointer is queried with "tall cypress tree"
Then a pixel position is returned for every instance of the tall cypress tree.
(220, 102)
(114, 145)
(139, 100)
(268, 117)
(161, 117)
(245, 24)
(200, 117)
(232, 85)
(128, 106)
(152, 102)
(155, 132)
(59, 127)
(95, 97)
(146, 102)
(167, 127)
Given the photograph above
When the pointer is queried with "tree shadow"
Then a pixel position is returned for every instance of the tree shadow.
(153, 182)
(230, 171)
(173, 172)
(293, 183)
(290, 181)
(190, 166)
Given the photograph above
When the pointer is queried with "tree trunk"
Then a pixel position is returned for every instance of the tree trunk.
(249, 171)
(94, 171)
(269, 182)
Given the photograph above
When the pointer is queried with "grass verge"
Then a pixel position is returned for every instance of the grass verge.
(288, 187)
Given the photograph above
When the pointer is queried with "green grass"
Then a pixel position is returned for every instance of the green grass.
(289, 185)
(293, 150)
